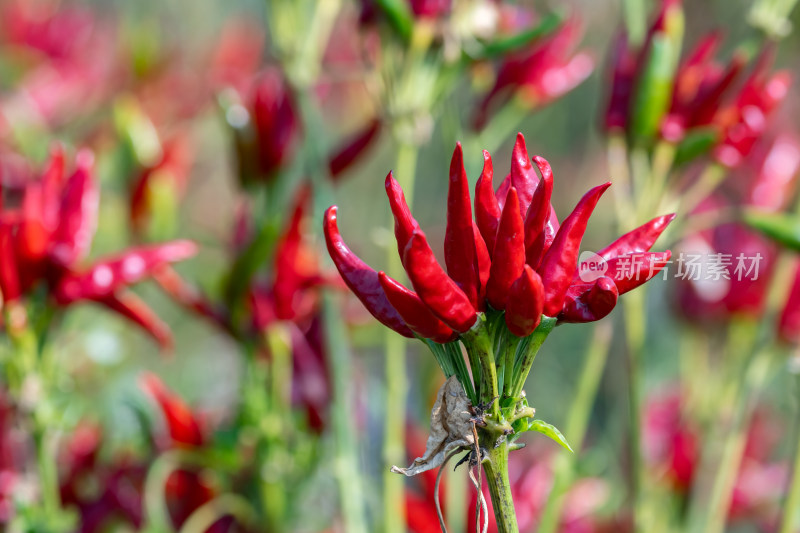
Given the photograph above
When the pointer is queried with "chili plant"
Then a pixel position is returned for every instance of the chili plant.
(512, 276)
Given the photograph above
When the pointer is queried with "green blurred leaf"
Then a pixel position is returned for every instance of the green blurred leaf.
(399, 15)
(780, 227)
(551, 431)
(696, 143)
(505, 45)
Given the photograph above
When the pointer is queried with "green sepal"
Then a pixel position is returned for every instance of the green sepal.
(780, 227)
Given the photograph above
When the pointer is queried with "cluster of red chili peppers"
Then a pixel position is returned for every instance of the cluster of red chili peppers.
(514, 259)
(47, 232)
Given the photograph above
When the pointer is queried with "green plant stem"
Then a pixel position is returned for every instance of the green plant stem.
(347, 469)
(746, 392)
(479, 343)
(791, 506)
(395, 348)
(577, 422)
(635, 328)
(495, 465)
(635, 17)
(210, 512)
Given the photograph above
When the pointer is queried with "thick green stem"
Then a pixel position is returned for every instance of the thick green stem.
(395, 348)
(523, 367)
(577, 423)
(495, 465)
(479, 345)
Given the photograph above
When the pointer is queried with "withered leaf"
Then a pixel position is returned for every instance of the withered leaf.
(450, 428)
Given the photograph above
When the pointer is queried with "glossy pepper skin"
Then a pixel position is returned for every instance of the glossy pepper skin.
(523, 262)
(45, 239)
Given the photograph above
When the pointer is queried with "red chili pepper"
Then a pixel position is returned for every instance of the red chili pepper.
(33, 238)
(52, 183)
(434, 287)
(524, 308)
(109, 275)
(353, 148)
(509, 253)
(633, 270)
(184, 428)
(414, 311)
(404, 223)
(638, 240)
(9, 275)
(78, 215)
(560, 262)
(523, 177)
(588, 302)
(484, 266)
(538, 215)
(789, 324)
(134, 309)
(361, 279)
(624, 62)
(460, 253)
(487, 211)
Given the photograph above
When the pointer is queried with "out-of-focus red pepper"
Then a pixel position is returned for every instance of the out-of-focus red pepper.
(45, 238)
(353, 148)
(540, 73)
(183, 427)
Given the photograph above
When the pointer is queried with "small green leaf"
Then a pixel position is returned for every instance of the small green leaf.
(551, 431)
(780, 227)
(697, 142)
(519, 40)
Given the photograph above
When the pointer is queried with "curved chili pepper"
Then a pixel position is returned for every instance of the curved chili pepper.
(134, 309)
(184, 427)
(460, 255)
(630, 271)
(109, 275)
(509, 253)
(434, 287)
(524, 308)
(588, 302)
(561, 260)
(361, 279)
(404, 222)
(78, 215)
(414, 311)
(353, 148)
(484, 266)
(638, 240)
(487, 210)
(538, 214)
